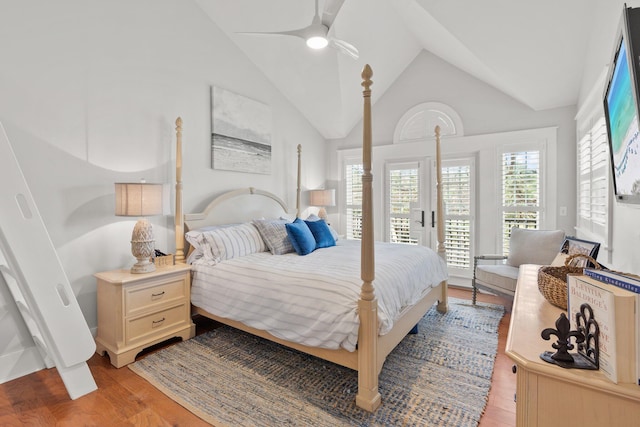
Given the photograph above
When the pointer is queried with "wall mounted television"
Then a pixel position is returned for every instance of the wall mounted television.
(621, 107)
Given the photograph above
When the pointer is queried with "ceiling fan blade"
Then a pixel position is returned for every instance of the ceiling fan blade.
(331, 9)
(301, 32)
(344, 47)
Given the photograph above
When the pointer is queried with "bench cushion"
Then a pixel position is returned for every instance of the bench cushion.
(500, 277)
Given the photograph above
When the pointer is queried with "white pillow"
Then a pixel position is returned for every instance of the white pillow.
(313, 217)
(215, 244)
(534, 246)
(196, 241)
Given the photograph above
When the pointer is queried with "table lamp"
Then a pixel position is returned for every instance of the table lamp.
(140, 199)
(322, 198)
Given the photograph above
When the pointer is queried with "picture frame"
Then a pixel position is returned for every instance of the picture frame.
(573, 245)
(240, 133)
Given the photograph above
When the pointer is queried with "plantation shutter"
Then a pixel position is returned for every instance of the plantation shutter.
(520, 181)
(403, 191)
(353, 201)
(456, 191)
(593, 180)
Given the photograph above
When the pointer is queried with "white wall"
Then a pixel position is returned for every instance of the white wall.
(90, 92)
(625, 255)
(484, 110)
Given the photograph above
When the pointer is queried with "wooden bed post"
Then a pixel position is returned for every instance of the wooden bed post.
(179, 219)
(298, 184)
(442, 304)
(368, 397)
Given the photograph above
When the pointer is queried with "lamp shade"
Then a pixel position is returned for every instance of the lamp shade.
(322, 197)
(138, 199)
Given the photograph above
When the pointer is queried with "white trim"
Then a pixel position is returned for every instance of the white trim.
(20, 363)
(423, 118)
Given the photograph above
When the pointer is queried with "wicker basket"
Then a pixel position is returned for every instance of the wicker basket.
(552, 281)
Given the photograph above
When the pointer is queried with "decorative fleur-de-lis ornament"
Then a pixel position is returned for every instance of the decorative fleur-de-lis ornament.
(586, 338)
(563, 344)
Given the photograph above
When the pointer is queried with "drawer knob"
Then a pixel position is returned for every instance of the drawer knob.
(157, 322)
(159, 294)
(514, 369)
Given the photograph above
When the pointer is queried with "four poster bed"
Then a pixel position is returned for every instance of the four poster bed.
(302, 293)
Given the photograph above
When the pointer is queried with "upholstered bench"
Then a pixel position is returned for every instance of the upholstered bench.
(525, 247)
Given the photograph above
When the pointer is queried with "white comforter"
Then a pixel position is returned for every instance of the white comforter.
(313, 299)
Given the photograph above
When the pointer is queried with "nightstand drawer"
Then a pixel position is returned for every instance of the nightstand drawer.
(156, 323)
(143, 297)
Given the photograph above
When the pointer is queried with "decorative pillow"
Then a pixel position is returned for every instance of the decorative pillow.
(533, 246)
(221, 243)
(196, 241)
(321, 233)
(314, 217)
(301, 237)
(274, 234)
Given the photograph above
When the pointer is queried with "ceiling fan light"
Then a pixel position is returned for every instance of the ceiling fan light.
(317, 42)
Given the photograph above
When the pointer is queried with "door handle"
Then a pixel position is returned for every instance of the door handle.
(433, 219)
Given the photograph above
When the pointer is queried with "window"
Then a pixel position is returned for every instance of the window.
(456, 191)
(593, 180)
(520, 182)
(403, 189)
(418, 123)
(353, 192)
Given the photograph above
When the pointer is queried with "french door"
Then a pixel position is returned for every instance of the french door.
(407, 203)
(410, 207)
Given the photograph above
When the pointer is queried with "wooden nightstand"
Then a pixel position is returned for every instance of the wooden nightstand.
(136, 311)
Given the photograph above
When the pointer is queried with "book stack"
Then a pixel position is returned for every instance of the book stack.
(614, 308)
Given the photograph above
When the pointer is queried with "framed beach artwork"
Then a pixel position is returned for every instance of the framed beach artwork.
(240, 133)
(572, 246)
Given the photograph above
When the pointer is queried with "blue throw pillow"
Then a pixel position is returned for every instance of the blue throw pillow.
(301, 237)
(322, 233)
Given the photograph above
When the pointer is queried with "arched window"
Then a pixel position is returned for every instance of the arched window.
(418, 123)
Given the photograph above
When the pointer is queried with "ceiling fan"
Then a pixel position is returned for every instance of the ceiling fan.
(317, 34)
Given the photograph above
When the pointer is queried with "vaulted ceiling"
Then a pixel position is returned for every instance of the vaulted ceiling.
(532, 51)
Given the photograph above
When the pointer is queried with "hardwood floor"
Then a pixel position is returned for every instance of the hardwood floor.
(125, 399)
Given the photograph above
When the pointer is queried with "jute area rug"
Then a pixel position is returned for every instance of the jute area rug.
(438, 377)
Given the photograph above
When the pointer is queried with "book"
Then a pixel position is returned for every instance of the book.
(625, 282)
(614, 309)
(616, 279)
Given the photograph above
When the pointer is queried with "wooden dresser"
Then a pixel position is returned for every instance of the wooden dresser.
(136, 311)
(548, 395)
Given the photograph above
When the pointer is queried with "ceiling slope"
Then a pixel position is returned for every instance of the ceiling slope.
(532, 51)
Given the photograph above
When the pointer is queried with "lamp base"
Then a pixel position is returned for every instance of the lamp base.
(322, 214)
(143, 266)
(142, 247)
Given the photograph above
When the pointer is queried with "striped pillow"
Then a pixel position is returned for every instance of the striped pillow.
(274, 233)
(231, 242)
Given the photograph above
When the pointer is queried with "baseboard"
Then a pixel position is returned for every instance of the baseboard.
(20, 363)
